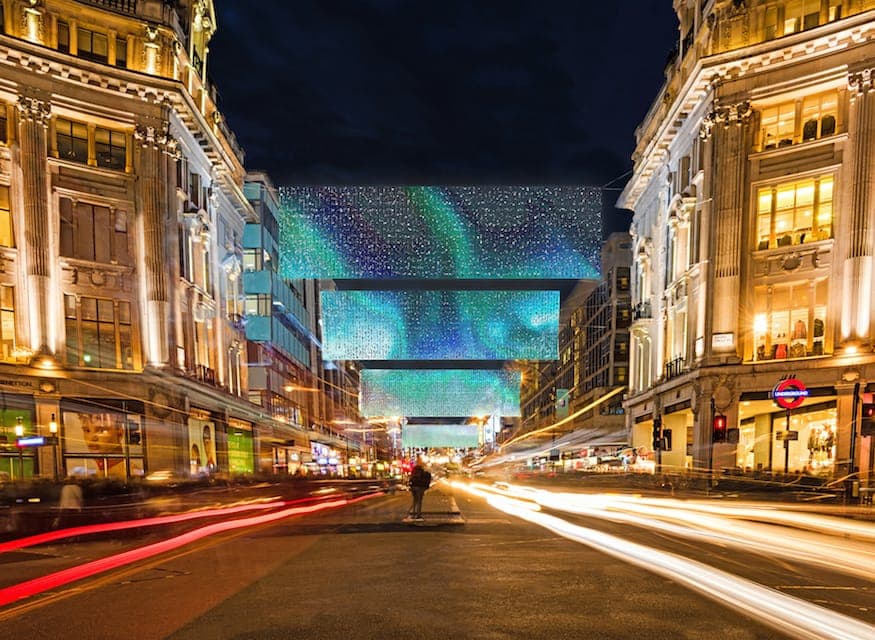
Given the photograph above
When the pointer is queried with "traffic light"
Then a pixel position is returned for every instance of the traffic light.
(657, 433)
(719, 428)
(867, 423)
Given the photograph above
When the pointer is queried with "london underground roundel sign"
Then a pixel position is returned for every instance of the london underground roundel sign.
(789, 393)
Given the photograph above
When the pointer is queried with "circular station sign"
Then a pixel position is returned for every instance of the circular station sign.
(789, 393)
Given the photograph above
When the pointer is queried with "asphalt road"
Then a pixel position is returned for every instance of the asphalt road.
(359, 572)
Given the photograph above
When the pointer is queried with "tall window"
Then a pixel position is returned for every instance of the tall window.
(91, 45)
(7, 237)
(794, 212)
(63, 37)
(790, 320)
(109, 148)
(7, 321)
(98, 333)
(788, 123)
(72, 140)
(91, 232)
(800, 15)
(4, 124)
(121, 52)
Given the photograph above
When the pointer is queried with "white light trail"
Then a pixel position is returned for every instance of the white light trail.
(792, 616)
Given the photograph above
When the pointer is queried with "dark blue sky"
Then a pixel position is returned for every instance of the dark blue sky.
(450, 92)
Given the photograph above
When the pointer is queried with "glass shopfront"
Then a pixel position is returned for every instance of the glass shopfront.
(812, 449)
(16, 415)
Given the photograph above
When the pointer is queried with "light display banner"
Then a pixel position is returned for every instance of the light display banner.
(499, 232)
(439, 436)
(439, 393)
(440, 325)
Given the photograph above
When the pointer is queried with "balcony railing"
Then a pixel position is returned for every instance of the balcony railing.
(205, 374)
(642, 310)
(674, 368)
(122, 6)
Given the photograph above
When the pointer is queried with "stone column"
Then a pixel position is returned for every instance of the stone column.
(728, 125)
(153, 146)
(857, 275)
(33, 122)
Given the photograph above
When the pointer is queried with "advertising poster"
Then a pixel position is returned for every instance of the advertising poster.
(100, 439)
(239, 449)
(202, 446)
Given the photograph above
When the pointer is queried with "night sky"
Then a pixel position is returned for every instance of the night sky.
(452, 92)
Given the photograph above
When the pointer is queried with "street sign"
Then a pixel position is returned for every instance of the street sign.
(31, 441)
(790, 393)
(786, 435)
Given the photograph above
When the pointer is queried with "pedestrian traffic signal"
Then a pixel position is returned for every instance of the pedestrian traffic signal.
(867, 423)
(719, 430)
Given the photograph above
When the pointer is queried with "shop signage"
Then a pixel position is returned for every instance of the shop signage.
(789, 393)
(33, 441)
(722, 340)
(786, 435)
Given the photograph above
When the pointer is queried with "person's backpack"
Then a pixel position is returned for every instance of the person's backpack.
(420, 478)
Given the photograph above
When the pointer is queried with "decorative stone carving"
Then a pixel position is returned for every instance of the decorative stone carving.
(157, 138)
(34, 110)
(737, 114)
(860, 82)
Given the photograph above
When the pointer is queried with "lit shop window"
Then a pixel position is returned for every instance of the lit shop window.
(7, 237)
(801, 15)
(790, 321)
(98, 333)
(793, 213)
(803, 120)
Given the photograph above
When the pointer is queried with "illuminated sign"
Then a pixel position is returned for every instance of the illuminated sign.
(431, 232)
(440, 325)
(434, 436)
(431, 393)
(789, 393)
(32, 441)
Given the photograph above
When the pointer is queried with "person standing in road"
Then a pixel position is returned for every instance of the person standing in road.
(420, 480)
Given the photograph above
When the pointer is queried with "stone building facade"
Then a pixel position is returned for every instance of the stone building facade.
(754, 216)
(122, 215)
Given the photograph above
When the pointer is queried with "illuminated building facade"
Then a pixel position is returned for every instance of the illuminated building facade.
(122, 214)
(593, 359)
(753, 238)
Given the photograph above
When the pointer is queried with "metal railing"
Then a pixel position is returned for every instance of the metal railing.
(122, 6)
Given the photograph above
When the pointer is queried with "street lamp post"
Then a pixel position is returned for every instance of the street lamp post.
(53, 431)
(19, 432)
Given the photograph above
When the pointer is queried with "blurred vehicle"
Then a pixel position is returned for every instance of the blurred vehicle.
(166, 477)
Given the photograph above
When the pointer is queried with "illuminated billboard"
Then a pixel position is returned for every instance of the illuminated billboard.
(427, 232)
(439, 436)
(439, 392)
(440, 325)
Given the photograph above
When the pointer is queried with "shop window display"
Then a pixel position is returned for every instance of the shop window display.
(789, 321)
(794, 213)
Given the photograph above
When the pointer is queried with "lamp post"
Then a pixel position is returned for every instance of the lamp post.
(19, 432)
(53, 431)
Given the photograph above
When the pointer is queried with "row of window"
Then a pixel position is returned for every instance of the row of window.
(93, 45)
(102, 147)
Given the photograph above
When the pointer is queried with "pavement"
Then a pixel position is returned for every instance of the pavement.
(438, 508)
